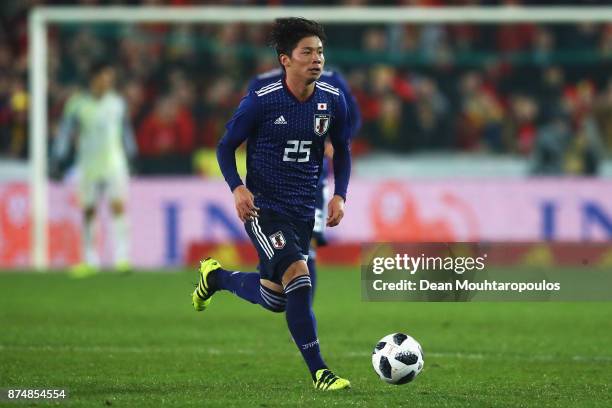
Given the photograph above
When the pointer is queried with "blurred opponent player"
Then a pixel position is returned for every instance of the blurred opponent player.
(335, 79)
(285, 125)
(98, 118)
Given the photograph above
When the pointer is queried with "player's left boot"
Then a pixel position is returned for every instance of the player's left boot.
(203, 292)
(325, 380)
(82, 270)
(123, 267)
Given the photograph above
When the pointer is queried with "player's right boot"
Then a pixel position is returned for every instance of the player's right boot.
(203, 292)
(327, 381)
(123, 267)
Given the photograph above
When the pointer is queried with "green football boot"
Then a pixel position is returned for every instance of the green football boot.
(202, 294)
(82, 270)
(123, 268)
(328, 381)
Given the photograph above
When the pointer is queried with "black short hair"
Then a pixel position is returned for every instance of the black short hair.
(97, 67)
(288, 32)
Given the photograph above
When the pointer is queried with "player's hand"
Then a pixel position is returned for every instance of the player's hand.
(335, 211)
(245, 204)
(55, 172)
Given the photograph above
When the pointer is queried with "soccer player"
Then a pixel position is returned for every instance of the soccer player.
(285, 125)
(98, 118)
(335, 79)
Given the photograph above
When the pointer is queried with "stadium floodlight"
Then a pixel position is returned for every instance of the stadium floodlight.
(41, 17)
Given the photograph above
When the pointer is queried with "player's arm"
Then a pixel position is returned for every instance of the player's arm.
(241, 125)
(340, 137)
(129, 141)
(61, 145)
(63, 138)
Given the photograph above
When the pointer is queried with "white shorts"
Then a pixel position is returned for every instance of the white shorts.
(113, 186)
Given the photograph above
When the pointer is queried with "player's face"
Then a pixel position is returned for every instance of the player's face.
(105, 80)
(307, 60)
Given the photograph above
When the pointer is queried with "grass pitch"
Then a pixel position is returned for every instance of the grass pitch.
(136, 341)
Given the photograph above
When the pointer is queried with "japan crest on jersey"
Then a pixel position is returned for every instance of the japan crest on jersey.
(278, 240)
(321, 123)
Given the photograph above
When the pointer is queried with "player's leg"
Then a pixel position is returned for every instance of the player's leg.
(257, 288)
(318, 231)
(301, 320)
(89, 250)
(246, 285)
(117, 192)
(303, 327)
(249, 286)
(120, 235)
(87, 194)
(300, 317)
(294, 294)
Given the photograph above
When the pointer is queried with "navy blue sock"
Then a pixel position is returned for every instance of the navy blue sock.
(243, 284)
(302, 323)
(246, 285)
(312, 269)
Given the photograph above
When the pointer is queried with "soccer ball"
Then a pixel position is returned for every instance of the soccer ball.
(397, 358)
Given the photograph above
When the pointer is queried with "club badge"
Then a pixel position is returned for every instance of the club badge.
(278, 240)
(321, 123)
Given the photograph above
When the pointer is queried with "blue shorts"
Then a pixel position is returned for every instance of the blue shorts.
(279, 241)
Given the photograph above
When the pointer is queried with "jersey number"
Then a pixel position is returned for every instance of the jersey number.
(297, 150)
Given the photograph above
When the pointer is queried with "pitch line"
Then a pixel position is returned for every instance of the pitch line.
(350, 354)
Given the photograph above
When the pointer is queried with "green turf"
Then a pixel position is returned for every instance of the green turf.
(135, 341)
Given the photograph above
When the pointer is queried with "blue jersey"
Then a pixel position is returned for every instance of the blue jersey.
(285, 145)
(335, 79)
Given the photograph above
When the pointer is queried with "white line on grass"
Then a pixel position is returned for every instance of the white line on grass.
(349, 354)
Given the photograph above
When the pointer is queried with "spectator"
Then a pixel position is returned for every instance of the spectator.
(469, 87)
(480, 115)
(552, 142)
(603, 115)
(166, 138)
(432, 116)
(520, 126)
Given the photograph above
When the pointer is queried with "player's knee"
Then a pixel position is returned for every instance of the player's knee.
(272, 301)
(90, 213)
(301, 282)
(296, 269)
(117, 207)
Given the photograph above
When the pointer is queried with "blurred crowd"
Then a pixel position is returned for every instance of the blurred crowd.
(539, 91)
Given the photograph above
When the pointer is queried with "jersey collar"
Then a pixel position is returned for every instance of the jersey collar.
(294, 97)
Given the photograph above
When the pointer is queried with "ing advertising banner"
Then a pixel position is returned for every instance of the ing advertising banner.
(167, 215)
